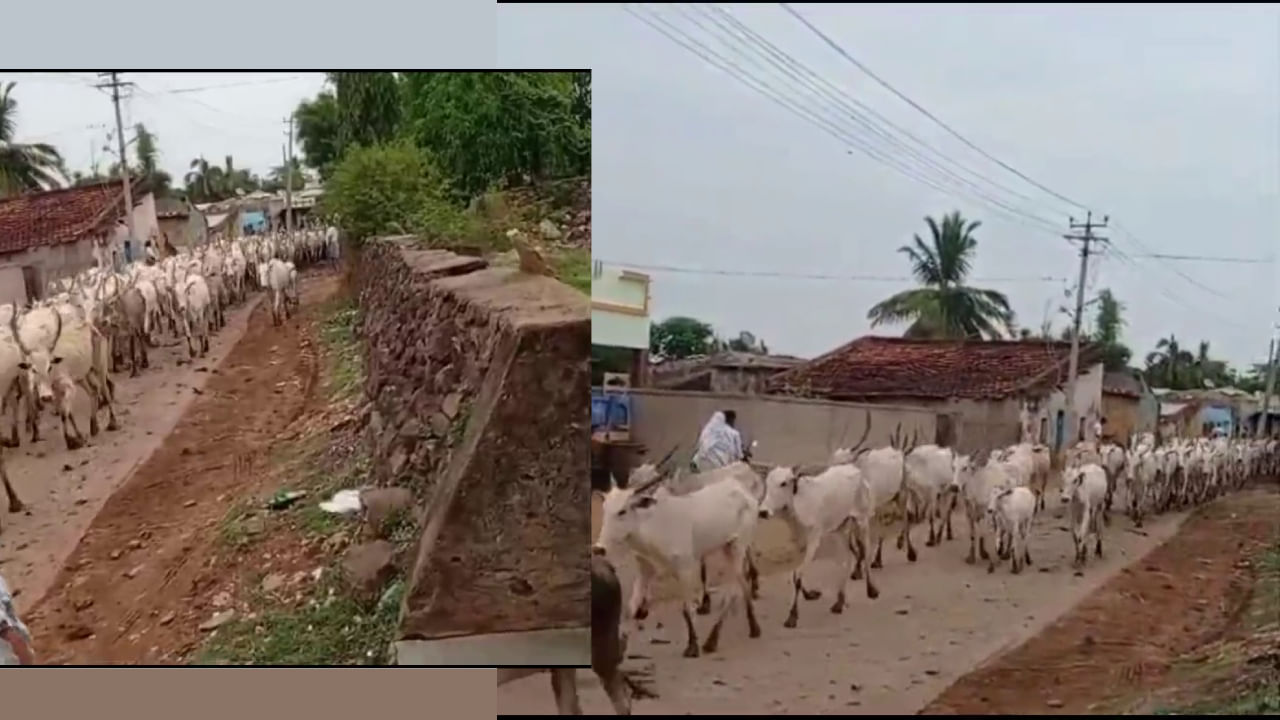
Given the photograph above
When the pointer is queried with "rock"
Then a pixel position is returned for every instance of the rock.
(382, 506)
(222, 599)
(548, 230)
(81, 501)
(218, 620)
(82, 603)
(189, 503)
(439, 424)
(79, 632)
(253, 525)
(136, 544)
(273, 582)
(902, 611)
(67, 468)
(1053, 703)
(168, 618)
(115, 554)
(452, 403)
(133, 572)
(368, 567)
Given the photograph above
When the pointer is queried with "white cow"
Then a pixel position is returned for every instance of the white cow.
(1085, 488)
(1012, 511)
(836, 501)
(674, 532)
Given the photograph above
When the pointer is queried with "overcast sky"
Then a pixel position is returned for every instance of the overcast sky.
(1166, 117)
(215, 115)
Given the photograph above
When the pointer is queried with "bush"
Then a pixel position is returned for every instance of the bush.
(391, 188)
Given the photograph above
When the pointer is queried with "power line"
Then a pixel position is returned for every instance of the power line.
(1206, 258)
(245, 83)
(844, 136)
(808, 276)
(846, 100)
(954, 133)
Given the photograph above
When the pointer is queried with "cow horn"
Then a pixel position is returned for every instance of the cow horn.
(13, 325)
(665, 458)
(866, 430)
(57, 333)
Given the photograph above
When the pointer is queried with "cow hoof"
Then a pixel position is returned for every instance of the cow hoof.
(704, 608)
(971, 560)
(911, 554)
(691, 651)
(113, 425)
(17, 507)
(811, 594)
(642, 613)
(873, 592)
(790, 621)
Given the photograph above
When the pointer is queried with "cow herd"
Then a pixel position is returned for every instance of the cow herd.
(666, 519)
(102, 319)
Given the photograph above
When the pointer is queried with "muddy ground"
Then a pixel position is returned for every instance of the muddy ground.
(934, 622)
(132, 583)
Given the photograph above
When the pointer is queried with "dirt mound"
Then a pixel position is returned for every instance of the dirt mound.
(1124, 639)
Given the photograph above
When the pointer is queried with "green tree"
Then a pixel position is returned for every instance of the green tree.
(497, 127)
(681, 337)
(368, 107)
(1170, 366)
(945, 307)
(384, 189)
(202, 181)
(746, 342)
(318, 132)
(280, 173)
(157, 181)
(23, 166)
(1115, 355)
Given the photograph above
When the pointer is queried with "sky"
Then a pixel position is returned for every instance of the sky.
(214, 114)
(1166, 118)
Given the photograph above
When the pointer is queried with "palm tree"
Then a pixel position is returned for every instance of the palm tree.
(1169, 365)
(945, 307)
(200, 180)
(23, 166)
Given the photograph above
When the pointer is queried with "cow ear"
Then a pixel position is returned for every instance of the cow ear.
(24, 365)
(57, 359)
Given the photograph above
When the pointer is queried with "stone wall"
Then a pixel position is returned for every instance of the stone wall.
(478, 377)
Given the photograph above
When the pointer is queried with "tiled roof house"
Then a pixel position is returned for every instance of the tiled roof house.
(984, 391)
(58, 216)
(889, 367)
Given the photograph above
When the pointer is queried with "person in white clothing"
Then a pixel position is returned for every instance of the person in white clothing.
(15, 639)
(719, 444)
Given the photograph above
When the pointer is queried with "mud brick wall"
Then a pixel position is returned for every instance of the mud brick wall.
(478, 377)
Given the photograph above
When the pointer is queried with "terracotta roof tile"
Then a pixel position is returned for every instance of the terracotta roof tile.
(56, 216)
(1121, 383)
(899, 367)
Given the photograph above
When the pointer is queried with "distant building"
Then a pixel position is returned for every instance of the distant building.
(620, 315)
(1128, 405)
(723, 372)
(47, 236)
(180, 223)
(986, 393)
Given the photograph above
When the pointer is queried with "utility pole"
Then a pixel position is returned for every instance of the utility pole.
(1086, 239)
(288, 180)
(115, 84)
(1270, 388)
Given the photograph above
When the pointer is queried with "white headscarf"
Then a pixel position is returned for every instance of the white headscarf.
(718, 445)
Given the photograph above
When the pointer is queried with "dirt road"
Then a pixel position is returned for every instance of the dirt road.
(133, 588)
(63, 490)
(934, 621)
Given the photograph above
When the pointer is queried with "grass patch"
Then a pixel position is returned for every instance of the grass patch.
(573, 268)
(1240, 676)
(345, 371)
(328, 628)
